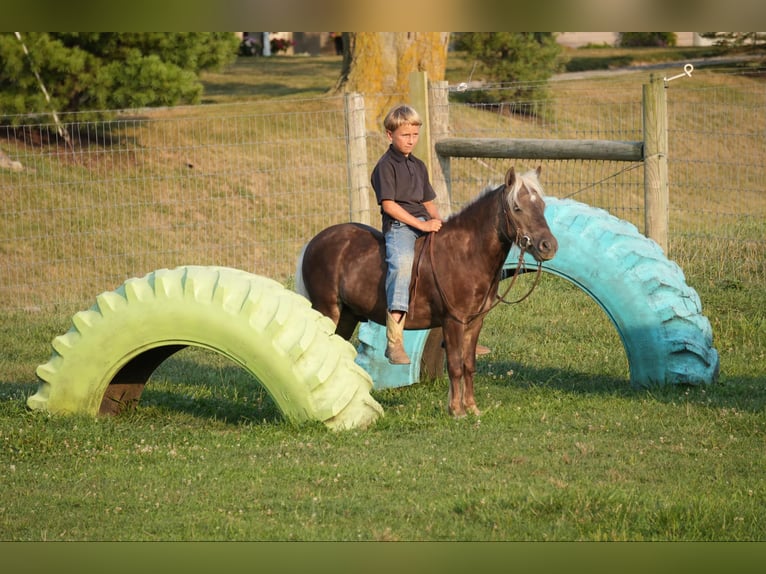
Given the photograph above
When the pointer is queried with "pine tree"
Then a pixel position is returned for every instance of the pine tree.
(516, 63)
(97, 71)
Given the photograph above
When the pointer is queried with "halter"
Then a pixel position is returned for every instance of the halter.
(523, 241)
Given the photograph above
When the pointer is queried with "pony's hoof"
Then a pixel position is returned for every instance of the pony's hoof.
(474, 410)
(457, 413)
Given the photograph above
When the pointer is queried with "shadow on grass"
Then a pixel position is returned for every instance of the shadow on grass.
(743, 393)
(227, 393)
(230, 395)
(587, 63)
(244, 89)
(16, 392)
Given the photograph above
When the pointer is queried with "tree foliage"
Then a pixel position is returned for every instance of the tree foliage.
(518, 62)
(737, 39)
(96, 71)
(647, 39)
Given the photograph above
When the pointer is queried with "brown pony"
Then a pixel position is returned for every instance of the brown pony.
(456, 273)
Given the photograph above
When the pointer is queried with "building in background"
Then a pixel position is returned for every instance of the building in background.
(323, 43)
(579, 39)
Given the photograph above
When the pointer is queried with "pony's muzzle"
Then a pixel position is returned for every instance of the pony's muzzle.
(543, 250)
(546, 248)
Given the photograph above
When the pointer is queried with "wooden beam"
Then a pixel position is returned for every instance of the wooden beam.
(541, 149)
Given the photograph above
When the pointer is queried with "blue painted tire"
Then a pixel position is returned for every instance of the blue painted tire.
(658, 316)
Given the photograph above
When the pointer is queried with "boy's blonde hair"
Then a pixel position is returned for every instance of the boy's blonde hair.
(400, 116)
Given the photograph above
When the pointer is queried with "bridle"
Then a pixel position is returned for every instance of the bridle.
(522, 240)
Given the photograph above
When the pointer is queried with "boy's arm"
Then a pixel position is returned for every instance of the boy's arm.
(397, 212)
(432, 210)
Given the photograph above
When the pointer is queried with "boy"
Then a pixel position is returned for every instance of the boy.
(404, 193)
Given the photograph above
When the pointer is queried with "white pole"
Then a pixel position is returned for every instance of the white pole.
(62, 131)
(266, 44)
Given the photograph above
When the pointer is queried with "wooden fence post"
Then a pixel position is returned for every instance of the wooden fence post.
(356, 145)
(656, 189)
(435, 124)
(439, 128)
(419, 101)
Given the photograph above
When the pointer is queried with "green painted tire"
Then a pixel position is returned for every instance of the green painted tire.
(101, 365)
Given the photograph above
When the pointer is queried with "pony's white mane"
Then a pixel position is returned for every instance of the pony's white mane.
(528, 178)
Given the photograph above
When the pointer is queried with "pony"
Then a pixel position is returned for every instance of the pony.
(455, 279)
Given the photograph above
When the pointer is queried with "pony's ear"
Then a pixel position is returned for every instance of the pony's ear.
(510, 177)
(538, 170)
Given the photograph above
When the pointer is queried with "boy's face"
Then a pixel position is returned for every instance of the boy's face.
(404, 138)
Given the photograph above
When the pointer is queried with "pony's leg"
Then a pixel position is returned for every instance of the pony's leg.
(346, 324)
(469, 366)
(453, 343)
(328, 308)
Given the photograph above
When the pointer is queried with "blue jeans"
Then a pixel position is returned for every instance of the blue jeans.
(400, 248)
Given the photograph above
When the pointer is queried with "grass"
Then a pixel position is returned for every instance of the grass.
(309, 77)
(605, 58)
(263, 78)
(564, 449)
(230, 158)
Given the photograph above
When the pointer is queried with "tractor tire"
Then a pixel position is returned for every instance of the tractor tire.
(101, 365)
(658, 316)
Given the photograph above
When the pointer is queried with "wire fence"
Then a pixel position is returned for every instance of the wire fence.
(247, 185)
(716, 143)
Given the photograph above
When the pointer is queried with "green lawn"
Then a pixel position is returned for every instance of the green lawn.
(565, 449)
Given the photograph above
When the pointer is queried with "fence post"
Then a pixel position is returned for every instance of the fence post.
(419, 101)
(432, 118)
(656, 189)
(356, 146)
(440, 174)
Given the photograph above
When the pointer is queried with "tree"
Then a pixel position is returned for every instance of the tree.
(519, 62)
(96, 71)
(736, 39)
(380, 63)
(644, 39)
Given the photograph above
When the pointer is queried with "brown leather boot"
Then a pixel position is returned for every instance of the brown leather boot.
(482, 350)
(395, 352)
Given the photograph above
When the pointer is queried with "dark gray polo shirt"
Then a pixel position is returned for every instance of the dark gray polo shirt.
(403, 180)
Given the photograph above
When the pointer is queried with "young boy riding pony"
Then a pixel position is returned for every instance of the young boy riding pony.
(406, 198)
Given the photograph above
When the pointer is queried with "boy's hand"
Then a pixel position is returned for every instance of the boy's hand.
(432, 225)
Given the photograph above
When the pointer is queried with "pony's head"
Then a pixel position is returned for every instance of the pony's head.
(524, 210)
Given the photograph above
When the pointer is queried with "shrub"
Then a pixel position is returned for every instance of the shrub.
(280, 45)
(647, 39)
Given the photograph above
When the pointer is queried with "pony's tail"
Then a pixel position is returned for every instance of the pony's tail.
(300, 286)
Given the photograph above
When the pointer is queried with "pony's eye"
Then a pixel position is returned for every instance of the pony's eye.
(516, 207)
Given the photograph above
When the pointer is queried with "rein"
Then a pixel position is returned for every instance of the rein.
(522, 241)
(521, 267)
